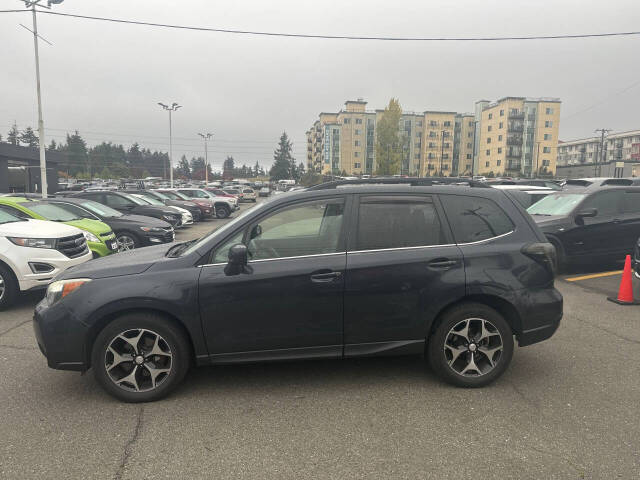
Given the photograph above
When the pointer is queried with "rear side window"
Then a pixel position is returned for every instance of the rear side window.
(632, 202)
(473, 219)
(397, 222)
(607, 203)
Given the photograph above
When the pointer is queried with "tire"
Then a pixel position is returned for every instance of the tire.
(127, 238)
(455, 360)
(9, 289)
(254, 200)
(222, 211)
(133, 382)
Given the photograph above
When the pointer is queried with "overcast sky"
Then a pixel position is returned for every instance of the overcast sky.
(105, 79)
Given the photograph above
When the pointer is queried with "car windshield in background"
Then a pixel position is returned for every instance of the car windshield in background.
(6, 217)
(556, 204)
(179, 196)
(52, 212)
(100, 209)
(150, 199)
(135, 199)
(161, 195)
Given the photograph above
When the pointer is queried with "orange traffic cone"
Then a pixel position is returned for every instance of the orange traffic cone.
(625, 292)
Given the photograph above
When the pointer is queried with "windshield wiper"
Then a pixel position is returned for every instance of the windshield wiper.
(543, 214)
(177, 249)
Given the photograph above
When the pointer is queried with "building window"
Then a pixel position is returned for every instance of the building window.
(358, 121)
(546, 149)
(417, 156)
(418, 134)
(356, 154)
(488, 139)
(499, 162)
(445, 156)
(357, 143)
(489, 128)
(357, 132)
(488, 152)
(501, 125)
(447, 123)
(490, 116)
(469, 145)
(547, 136)
(468, 156)
(499, 149)
(486, 164)
(430, 156)
(419, 123)
(470, 124)
(545, 163)
(433, 123)
(502, 113)
(347, 120)
(499, 138)
(549, 111)
(430, 167)
(446, 145)
(470, 134)
(445, 167)
(548, 123)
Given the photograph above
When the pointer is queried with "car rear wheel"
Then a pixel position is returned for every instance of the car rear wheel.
(127, 241)
(8, 287)
(222, 211)
(471, 346)
(140, 357)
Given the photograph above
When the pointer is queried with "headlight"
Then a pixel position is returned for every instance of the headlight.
(34, 242)
(62, 288)
(90, 237)
(152, 229)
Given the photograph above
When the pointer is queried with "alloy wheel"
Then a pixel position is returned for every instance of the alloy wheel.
(473, 347)
(138, 360)
(125, 242)
(2, 287)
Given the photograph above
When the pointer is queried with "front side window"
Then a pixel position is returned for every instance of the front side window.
(397, 222)
(311, 228)
(473, 219)
(116, 201)
(607, 203)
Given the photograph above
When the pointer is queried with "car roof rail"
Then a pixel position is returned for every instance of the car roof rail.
(411, 181)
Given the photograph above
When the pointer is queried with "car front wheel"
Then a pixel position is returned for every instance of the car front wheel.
(222, 211)
(140, 357)
(126, 241)
(8, 288)
(471, 346)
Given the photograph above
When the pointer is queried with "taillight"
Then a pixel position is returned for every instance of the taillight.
(544, 253)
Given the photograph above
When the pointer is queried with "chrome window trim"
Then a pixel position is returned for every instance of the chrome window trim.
(279, 258)
(487, 239)
(402, 248)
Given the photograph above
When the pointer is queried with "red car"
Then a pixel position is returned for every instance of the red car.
(205, 205)
(219, 192)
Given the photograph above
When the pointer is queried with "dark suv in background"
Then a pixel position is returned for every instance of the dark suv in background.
(590, 223)
(406, 267)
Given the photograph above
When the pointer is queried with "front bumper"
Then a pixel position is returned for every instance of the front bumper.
(28, 280)
(101, 249)
(60, 336)
(157, 238)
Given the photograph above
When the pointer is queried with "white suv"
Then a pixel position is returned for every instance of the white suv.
(32, 252)
(224, 206)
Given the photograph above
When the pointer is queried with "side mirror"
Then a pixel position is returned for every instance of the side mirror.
(587, 212)
(255, 232)
(238, 255)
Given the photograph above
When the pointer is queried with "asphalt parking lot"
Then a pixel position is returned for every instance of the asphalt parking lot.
(566, 408)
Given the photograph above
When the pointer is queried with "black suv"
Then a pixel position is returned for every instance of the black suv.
(593, 223)
(156, 196)
(126, 203)
(451, 271)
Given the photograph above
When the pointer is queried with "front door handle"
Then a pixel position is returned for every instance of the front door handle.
(616, 220)
(442, 263)
(325, 276)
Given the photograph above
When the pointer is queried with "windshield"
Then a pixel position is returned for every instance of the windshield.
(52, 212)
(556, 204)
(177, 195)
(159, 195)
(149, 199)
(135, 199)
(222, 230)
(100, 209)
(6, 217)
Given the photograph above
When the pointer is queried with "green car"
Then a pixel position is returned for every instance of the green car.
(100, 238)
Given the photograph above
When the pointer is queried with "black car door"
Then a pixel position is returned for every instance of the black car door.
(118, 202)
(401, 266)
(630, 220)
(600, 236)
(289, 300)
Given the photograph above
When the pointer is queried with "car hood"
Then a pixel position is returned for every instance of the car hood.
(157, 210)
(131, 262)
(549, 221)
(144, 220)
(94, 226)
(38, 229)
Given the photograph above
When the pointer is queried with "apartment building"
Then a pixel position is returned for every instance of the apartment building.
(577, 152)
(431, 143)
(620, 147)
(516, 136)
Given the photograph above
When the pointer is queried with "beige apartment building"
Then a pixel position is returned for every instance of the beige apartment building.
(433, 143)
(516, 136)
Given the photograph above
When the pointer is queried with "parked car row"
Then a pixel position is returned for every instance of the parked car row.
(40, 238)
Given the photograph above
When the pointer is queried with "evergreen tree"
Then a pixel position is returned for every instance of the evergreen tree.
(183, 169)
(13, 135)
(28, 137)
(283, 160)
(53, 145)
(256, 169)
(76, 155)
(388, 148)
(228, 167)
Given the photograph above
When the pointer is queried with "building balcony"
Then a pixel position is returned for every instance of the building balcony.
(518, 128)
(514, 154)
(514, 140)
(516, 115)
(513, 166)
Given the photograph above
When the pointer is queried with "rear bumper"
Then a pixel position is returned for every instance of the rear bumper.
(541, 313)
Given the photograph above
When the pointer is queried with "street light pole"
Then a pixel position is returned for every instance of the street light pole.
(205, 137)
(174, 106)
(441, 151)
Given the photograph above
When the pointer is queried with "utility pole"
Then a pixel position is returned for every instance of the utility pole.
(174, 106)
(441, 151)
(205, 137)
(473, 155)
(43, 161)
(535, 172)
(598, 167)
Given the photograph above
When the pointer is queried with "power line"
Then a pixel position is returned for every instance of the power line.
(334, 37)
(614, 94)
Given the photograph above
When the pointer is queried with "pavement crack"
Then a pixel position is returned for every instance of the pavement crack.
(128, 448)
(16, 347)
(579, 469)
(14, 327)
(611, 332)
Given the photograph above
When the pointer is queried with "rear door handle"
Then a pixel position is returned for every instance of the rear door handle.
(442, 263)
(325, 276)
